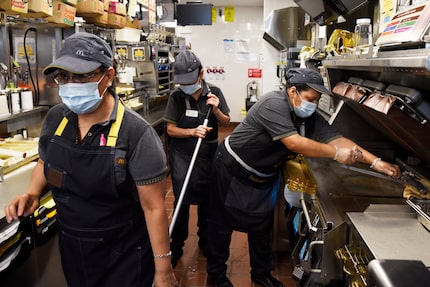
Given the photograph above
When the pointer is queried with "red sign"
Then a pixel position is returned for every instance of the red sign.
(254, 73)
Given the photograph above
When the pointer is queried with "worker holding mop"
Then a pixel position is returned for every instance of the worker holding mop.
(185, 115)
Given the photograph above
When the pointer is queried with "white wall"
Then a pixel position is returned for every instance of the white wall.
(248, 50)
(208, 43)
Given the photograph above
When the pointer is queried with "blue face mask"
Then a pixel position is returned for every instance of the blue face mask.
(190, 89)
(81, 98)
(306, 109)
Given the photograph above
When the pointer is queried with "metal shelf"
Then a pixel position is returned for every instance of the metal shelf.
(417, 60)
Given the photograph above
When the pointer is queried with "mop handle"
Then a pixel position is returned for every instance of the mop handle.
(187, 177)
(190, 169)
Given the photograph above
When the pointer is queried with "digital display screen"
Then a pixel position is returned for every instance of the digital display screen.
(194, 14)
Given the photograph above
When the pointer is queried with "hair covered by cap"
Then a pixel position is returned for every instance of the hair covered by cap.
(82, 53)
(309, 77)
(187, 66)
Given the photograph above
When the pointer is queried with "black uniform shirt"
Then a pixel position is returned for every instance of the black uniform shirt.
(257, 139)
(144, 151)
(176, 107)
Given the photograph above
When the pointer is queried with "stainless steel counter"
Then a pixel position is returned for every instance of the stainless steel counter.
(392, 232)
(154, 116)
(341, 190)
(369, 214)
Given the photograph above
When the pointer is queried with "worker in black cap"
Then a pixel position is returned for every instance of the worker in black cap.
(106, 169)
(185, 113)
(248, 163)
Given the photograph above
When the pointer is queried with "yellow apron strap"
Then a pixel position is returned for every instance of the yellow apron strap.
(114, 130)
(61, 127)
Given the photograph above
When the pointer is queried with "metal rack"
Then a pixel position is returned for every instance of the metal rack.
(405, 68)
(349, 246)
(161, 55)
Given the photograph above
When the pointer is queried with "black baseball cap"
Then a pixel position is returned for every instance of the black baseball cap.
(186, 68)
(82, 53)
(307, 76)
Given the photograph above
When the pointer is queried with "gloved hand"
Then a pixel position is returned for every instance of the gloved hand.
(345, 155)
(386, 168)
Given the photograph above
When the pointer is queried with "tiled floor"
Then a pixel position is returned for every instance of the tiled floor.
(191, 268)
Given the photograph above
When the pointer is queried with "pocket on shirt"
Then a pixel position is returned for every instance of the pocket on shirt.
(56, 179)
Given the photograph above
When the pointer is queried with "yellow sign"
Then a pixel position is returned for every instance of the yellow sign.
(138, 54)
(121, 51)
(214, 14)
(229, 14)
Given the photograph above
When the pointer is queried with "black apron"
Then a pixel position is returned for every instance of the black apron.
(102, 232)
(180, 153)
(244, 201)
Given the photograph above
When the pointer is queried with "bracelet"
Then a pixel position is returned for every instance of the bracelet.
(161, 256)
(375, 161)
(337, 152)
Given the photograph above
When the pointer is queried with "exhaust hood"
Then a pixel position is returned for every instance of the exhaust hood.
(326, 11)
(284, 27)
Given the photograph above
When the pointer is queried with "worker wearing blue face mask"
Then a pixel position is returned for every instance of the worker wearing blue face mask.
(185, 113)
(106, 168)
(248, 164)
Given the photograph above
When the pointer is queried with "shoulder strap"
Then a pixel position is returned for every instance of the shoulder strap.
(60, 129)
(114, 130)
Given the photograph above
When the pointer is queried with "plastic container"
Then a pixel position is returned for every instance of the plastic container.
(127, 35)
(15, 101)
(363, 35)
(4, 103)
(26, 100)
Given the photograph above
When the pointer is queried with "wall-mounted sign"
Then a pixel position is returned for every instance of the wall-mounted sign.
(121, 51)
(254, 73)
(138, 53)
(229, 14)
(30, 49)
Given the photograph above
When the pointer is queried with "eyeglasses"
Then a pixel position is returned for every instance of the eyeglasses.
(64, 77)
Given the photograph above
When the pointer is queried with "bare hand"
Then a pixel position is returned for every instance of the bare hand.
(21, 205)
(168, 280)
(213, 101)
(201, 131)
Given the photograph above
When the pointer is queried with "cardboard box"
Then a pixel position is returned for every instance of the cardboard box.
(106, 3)
(39, 8)
(14, 6)
(89, 8)
(117, 8)
(70, 2)
(100, 20)
(133, 23)
(116, 21)
(62, 14)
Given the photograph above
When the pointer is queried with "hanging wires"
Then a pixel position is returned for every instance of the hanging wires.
(35, 86)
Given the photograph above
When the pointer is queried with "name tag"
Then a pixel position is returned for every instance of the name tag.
(191, 113)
